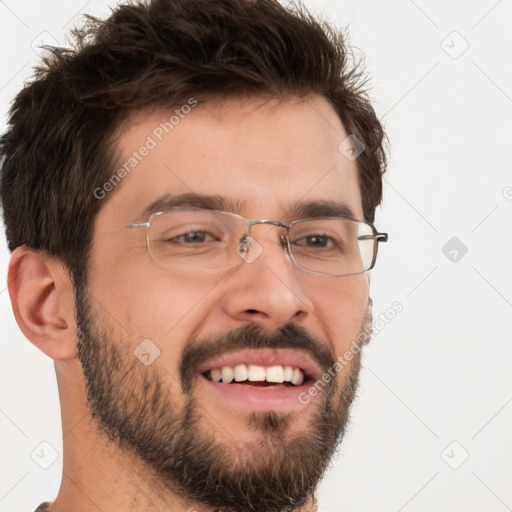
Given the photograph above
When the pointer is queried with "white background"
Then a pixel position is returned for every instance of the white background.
(436, 384)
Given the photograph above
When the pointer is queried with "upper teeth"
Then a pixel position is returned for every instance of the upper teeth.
(255, 373)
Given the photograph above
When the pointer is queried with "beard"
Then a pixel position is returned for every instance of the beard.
(188, 455)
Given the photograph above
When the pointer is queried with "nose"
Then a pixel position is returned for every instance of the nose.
(266, 287)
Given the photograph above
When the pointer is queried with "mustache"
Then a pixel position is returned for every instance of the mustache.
(253, 336)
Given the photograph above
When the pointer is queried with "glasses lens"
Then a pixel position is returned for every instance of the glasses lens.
(195, 238)
(332, 246)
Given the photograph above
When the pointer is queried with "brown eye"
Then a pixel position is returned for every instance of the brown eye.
(316, 242)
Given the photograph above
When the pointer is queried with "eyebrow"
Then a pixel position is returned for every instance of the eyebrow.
(302, 210)
(175, 202)
(316, 209)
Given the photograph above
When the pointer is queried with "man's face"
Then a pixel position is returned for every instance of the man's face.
(239, 446)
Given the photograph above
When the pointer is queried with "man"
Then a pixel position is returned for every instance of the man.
(205, 360)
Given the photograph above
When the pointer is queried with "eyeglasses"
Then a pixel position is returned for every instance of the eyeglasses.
(197, 238)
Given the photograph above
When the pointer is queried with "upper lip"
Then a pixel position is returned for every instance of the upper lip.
(266, 357)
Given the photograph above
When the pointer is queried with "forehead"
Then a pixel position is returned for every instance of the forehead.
(263, 156)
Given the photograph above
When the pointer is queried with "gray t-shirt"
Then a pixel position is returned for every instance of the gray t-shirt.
(43, 507)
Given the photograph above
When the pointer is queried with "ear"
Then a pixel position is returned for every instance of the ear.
(42, 300)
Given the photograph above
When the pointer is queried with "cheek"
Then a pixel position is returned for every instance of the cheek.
(147, 299)
(342, 306)
(155, 305)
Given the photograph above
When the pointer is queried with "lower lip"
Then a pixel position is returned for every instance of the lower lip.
(257, 398)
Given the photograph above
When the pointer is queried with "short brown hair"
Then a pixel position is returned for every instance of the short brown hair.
(59, 145)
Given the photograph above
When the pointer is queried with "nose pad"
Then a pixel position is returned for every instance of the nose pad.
(284, 243)
(245, 243)
(249, 249)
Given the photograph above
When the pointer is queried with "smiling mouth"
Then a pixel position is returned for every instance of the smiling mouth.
(270, 377)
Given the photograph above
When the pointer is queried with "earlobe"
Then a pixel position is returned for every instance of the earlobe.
(43, 302)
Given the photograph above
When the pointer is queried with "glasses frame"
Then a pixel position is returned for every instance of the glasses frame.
(285, 239)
